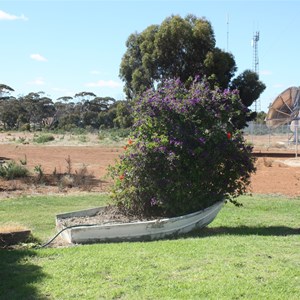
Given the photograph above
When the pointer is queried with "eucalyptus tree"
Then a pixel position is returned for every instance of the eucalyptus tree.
(93, 109)
(63, 106)
(64, 99)
(99, 104)
(12, 113)
(84, 96)
(38, 107)
(178, 48)
(123, 118)
(5, 91)
(182, 48)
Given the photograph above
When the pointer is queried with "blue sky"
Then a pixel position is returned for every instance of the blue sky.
(66, 47)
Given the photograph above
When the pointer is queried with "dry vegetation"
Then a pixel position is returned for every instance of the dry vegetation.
(7, 228)
(73, 164)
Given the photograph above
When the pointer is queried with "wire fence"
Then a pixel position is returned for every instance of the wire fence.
(284, 136)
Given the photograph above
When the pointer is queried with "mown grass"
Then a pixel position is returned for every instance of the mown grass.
(250, 252)
(38, 213)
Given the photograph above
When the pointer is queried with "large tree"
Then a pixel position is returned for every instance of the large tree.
(38, 106)
(249, 86)
(11, 113)
(5, 91)
(178, 48)
(182, 48)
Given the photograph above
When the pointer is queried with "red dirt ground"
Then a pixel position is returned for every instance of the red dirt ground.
(274, 175)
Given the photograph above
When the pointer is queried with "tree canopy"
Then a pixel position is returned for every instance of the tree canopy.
(5, 91)
(249, 86)
(84, 110)
(182, 48)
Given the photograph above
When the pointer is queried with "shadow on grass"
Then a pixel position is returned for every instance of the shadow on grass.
(18, 275)
(245, 230)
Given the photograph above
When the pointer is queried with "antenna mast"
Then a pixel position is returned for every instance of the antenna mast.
(227, 32)
(255, 63)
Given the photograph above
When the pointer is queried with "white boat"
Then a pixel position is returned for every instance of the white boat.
(135, 231)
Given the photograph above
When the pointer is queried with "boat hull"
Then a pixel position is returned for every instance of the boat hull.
(135, 231)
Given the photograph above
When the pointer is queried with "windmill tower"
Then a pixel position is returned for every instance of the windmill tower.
(255, 63)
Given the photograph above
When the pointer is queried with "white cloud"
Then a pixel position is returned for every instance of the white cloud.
(8, 17)
(105, 83)
(265, 72)
(278, 85)
(37, 81)
(38, 57)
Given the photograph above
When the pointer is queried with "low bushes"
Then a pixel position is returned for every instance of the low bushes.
(44, 138)
(12, 170)
(81, 178)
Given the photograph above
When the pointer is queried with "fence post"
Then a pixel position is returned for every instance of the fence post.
(296, 137)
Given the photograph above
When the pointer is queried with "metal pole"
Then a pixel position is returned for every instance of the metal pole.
(251, 130)
(296, 137)
(269, 129)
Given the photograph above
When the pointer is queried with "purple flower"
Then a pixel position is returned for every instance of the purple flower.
(180, 149)
(153, 201)
(201, 140)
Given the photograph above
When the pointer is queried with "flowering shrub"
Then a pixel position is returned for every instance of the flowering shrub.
(185, 153)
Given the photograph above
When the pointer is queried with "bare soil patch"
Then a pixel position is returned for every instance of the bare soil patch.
(278, 168)
(275, 175)
(85, 162)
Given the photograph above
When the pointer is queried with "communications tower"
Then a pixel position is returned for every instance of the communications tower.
(255, 63)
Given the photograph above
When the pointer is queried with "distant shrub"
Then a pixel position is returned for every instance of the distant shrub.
(44, 138)
(78, 131)
(101, 135)
(115, 134)
(67, 181)
(40, 172)
(121, 132)
(12, 170)
(21, 140)
(83, 138)
(25, 127)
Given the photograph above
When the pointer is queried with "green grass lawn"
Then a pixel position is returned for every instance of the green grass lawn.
(38, 213)
(251, 252)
